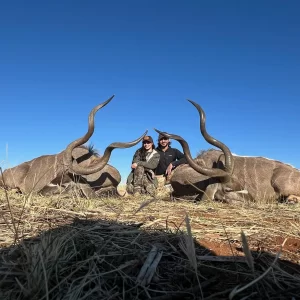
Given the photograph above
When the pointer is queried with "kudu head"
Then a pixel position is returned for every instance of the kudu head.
(81, 169)
(211, 172)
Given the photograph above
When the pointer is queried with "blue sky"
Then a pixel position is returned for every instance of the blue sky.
(240, 60)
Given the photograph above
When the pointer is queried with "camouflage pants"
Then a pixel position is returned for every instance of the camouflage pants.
(141, 182)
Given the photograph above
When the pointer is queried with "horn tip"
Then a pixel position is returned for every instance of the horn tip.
(198, 107)
(158, 131)
(193, 102)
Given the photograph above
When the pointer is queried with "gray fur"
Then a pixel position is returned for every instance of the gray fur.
(48, 175)
(224, 176)
(253, 178)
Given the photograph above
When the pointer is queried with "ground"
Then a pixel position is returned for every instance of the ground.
(270, 229)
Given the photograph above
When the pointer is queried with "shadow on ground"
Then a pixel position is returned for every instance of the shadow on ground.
(100, 259)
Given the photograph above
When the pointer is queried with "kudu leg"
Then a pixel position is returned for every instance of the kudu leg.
(210, 191)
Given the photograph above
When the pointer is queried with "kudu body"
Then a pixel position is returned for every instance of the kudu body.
(76, 169)
(226, 177)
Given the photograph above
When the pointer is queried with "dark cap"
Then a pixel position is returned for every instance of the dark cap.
(148, 138)
(162, 136)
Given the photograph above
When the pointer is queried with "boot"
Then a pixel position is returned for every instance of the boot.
(137, 191)
(151, 190)
(129, 189)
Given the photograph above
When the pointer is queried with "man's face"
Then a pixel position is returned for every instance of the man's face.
(164, 142)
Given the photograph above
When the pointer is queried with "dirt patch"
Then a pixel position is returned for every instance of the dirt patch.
(220, 248)
(290, 249)
(291, 244)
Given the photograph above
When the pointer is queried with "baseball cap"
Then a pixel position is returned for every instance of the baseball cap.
(148, 138)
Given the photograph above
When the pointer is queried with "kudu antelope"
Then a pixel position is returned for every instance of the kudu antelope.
(226, 177)
(76, 168)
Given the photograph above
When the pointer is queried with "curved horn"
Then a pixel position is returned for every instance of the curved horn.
(85, 138)
(227, 153)
(104, 159)
(203, 170)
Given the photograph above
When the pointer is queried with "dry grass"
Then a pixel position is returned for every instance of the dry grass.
(71, 248)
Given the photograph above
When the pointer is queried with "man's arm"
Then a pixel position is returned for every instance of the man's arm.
(180, 159)
(152, 163)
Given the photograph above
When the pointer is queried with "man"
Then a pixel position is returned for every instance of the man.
(141, 180)
(170, 158)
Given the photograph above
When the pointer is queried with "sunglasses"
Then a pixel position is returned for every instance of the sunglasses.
(163, 139)
(146, 142)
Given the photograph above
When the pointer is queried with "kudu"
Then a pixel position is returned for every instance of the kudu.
(76, 168)
(226, 177)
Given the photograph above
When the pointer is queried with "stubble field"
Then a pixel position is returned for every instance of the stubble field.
(142, 248)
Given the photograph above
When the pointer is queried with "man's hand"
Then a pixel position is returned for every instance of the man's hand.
(134, 165)
(169, 169)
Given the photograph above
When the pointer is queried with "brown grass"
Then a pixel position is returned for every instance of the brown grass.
(71, 248)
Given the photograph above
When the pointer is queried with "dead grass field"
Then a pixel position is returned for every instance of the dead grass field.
(111, 248)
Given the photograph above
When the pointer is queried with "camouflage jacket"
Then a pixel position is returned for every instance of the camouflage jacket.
(149, 165)
(151, 162)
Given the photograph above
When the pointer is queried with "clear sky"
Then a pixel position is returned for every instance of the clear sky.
(240, 60)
